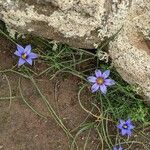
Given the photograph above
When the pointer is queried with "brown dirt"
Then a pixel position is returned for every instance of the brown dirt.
(20, 128)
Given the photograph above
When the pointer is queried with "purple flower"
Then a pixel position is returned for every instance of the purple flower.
(25, 55)
(120, 148)
(100, 81)
(125, 127)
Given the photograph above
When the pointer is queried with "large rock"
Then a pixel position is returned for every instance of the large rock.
(72, 21)
(131, 49)
(81, 23)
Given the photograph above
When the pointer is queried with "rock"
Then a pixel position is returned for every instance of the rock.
(69, 21)
(81, 23)
(130, 51)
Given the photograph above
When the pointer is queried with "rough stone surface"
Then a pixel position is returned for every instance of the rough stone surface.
(71, 21)
(131, 49)
(81, 23)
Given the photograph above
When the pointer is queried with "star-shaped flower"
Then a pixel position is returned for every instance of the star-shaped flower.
(25, 55)
(125, 127)
(100, 81)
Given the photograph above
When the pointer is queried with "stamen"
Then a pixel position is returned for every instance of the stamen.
(100, 81)
(125, 126)
(24, 56)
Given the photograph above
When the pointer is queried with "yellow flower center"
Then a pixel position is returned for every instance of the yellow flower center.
(24, 56)
(125, 126)
(100, 81)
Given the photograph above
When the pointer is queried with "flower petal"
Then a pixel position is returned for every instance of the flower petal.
(32, 55)
(21, 62)
(92, 79)
(20, 49)
(123, 131)
(120, 148)
(128, 121)
(115, 148)
(128, 132)
(17, 53)
(131, 127)
(122, 122)
(103, 89)
(120, 126)
(109, 82)
(94, 87)
(98, 73)
(27, 49)
(106, 74)
(29, 60)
